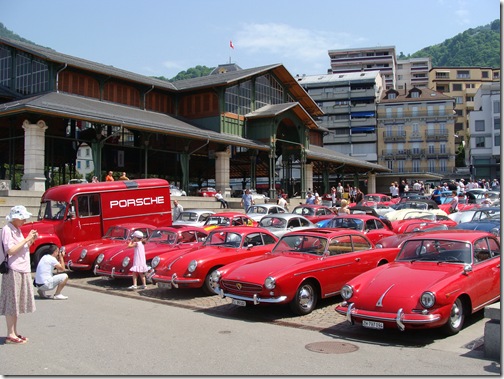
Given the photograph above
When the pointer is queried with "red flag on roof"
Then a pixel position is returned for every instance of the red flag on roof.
(231, 44)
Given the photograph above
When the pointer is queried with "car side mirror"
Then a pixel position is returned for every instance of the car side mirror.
(71, 215)
(467, 269)
(249, 246)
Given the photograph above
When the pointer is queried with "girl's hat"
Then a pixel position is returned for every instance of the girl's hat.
(137, 234)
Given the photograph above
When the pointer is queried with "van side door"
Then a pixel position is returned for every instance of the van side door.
(87, 224)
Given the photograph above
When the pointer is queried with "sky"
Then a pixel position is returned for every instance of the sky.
(164, 37)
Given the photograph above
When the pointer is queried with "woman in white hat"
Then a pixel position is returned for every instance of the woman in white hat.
(17, 289)
(139, 267)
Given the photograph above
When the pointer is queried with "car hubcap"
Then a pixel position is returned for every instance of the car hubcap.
(456, 314)
(306, 297)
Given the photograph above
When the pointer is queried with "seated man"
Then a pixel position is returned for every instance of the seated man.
(45, 280)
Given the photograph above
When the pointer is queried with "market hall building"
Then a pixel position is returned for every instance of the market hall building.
(233, 124)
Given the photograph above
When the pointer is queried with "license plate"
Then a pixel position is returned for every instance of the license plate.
(165, 285)
(372, 324)
(241, 303)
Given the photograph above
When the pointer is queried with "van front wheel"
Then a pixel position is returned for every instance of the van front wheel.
(39, 253)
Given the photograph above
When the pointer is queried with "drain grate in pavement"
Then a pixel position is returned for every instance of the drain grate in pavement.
(332, 347)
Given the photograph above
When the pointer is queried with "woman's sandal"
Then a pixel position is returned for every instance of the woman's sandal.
(16, 341)
(22, 338)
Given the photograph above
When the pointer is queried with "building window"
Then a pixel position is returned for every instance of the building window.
(78, 165)
(31, 75)
(415, 94)
(432, 165)
(415, 128)
(497, 140)
(400, 166)
(416, 165)
(459, 99)
(391, 95)
(496, 107)
(389, 112)
(480, 141)
(484, 74)
(442, 148)
(441, 110)
(430, 110)
(469, 98)
(456, 87)
(88, 164)
(88, 152)
(497, 123)
(442, 75)
(414, 111)
(463, 74)
(399, 112)
(442, 165)
(5, 66)
(479, 125)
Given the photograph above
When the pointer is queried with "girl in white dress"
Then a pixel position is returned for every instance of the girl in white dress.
(139, 267)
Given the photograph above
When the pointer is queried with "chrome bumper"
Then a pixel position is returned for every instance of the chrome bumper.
(254, 299)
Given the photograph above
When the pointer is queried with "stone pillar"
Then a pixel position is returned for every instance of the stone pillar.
(371, 183)
(308, 179)
(222, 159)
(34, 152)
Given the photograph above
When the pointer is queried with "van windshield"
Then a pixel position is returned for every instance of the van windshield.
(52, 210)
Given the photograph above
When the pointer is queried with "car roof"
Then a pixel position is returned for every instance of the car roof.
(326, 232)
(241, 230)
(453, 234)
(197, 211)
(179, 228)
(229, 214)
(285, 216)
(311, 206)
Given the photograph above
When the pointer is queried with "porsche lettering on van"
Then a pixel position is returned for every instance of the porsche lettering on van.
(139, 202)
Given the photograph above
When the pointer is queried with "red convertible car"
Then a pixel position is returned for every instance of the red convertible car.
(223, 246)
(303, 267)
(373, 227)
(116, 263)
(314, 213)
(81, 256)
(436, 280)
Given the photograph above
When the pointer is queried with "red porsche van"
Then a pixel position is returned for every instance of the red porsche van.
(79, 212)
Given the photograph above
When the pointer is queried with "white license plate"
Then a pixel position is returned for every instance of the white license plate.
(164, 285)
(241, 303)
(372, 324)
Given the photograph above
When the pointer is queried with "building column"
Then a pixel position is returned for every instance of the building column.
(308, 179)
(371, 183)
(34, 153)
(222, 172)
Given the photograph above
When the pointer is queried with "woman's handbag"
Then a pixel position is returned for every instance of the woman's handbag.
(4, 266)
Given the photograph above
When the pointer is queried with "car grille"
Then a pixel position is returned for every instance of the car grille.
(232, 286)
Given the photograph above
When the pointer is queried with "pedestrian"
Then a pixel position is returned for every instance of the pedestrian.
(334, 196)
(45, 280)
(359, 196)
(246, 200)
(339, 190)
(344, 207)
(16, 295)
(109, 177)
(139, 267)
(219, 197)
(94, 179)
(310, 198)
(177, 210)
(282, 201)
(123, 176)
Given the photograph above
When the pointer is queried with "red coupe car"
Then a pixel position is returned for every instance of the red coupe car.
(303, 267)
(314, 213)
(81, 256)
(372, 199)
(223, 219)
(436, 280)
(373, 227)
(116, 263)
(195, 268)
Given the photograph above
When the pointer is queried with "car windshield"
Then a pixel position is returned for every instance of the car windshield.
(423, 226)
(52, 210)
(301, 244)
(221, 238)
(422, 215)
(217, 220)
(117, 233)
(305, 211)
(188, 216)
(411, 205)
(431, 250)
(347, 223)
(371, 198)
(257, 209)
(163, 236)
(273, 222)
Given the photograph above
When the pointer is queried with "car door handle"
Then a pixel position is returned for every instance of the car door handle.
(357, 259)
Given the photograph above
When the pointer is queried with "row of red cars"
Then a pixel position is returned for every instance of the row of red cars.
(402, 279)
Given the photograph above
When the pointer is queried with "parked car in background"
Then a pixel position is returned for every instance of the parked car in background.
(224, 219)
(282, 223)
(259, 198)
(77, 181)
(314, 213)
(411, 229)
(474, 214)
(223, 246)
(491, 224)
(175, 191)
(437, 280)
(193, 217)
(372, 199)
(117, 262)
(206, 192)
(81, 256)
(258, 211)
(302, 268)
(372, 227)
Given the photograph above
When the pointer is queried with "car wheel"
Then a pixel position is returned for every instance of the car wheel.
(456, 320)
(305, 300)
(39, 253)
(208, 286)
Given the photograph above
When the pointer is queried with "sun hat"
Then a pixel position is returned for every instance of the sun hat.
(137, 234)
(19, 212)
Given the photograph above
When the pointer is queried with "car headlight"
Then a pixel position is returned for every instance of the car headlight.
(192, 266)
(346, 291)
(83, 253)
(428, 299)
(379, 246)
(155, 261)
(125, 261)
(270, 283)
(100, 258)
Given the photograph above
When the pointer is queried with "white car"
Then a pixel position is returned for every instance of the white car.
(258, 211)
(404, 214)
(193, 217)
(474, 214)
(258, 198)
(282, 223)
(175, 191)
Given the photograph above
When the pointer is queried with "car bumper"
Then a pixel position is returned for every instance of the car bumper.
(112, 273)
(74, 266)
(255, 299)
(400, 319)
(177, 282)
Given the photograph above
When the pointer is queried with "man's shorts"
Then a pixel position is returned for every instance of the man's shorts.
(53, 282)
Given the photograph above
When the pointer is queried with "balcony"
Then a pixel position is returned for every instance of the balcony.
(394, 136)
(436, 135)
(438, 153)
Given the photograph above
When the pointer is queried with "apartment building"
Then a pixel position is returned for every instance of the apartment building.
(485, 132)
(366, 59)
(413, 72)
(416, 133)
(461, 83)
(348, 101)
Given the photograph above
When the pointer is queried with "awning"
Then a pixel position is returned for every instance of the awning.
(363, 114)
(363, 129)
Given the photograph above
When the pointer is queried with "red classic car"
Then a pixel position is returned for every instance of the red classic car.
(223, 246)
(411, 229)
(228, 219)
(314, 213)
(372, 199)
(116, 263)
(206, 192)
(81, 256)
(436, 280)
(373, 227)
(303, 267)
